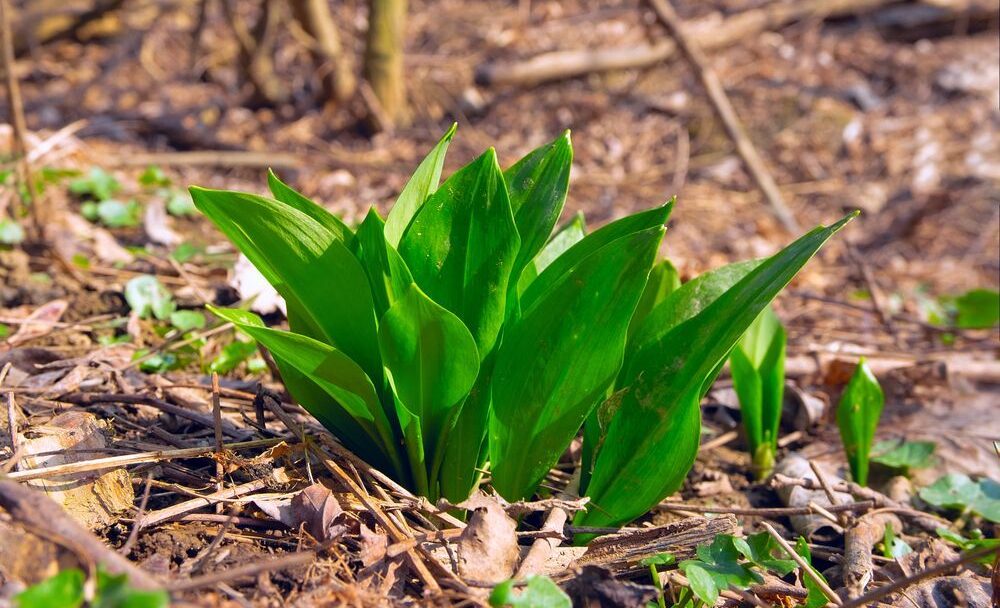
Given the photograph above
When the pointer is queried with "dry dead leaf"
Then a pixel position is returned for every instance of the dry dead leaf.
(597, 587)
(319, 511)
(373, 545)
(39, 322)
(156, 223)
(487, 548)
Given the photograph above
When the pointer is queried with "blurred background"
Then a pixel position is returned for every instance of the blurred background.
(886, 106)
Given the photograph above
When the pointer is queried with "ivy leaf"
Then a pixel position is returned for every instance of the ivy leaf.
(64, 590)
(186, 320)
(976, 541)
(660, 559)
(760, 549)
(232, 355)
(98, 184)
(904, 455)
(539, 592)
(720, 562)
(179, 204)
(978, 309)
(147, 296)
(11, 233)
(958, 491)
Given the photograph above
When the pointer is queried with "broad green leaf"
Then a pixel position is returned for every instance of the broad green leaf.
(978, 309)
(422, 184)
(685, 302)
(147, 297)
(958, 491)
(702, 583)
(758, 368)
(431, 362)
(288, 195)
(186, 320)
(311, 268)
(653, 437)
(461, 247)
(538, 592)
(560, 356)
(565, 263)
(567, 236)
(537, 185)
(388, 275)
(904, 455)
(857, 417)
(349, 405)
(465, 451)
(63, 590)
(663, 281)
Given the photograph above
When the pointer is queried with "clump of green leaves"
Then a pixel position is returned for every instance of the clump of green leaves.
(731, 561)
(758, 368)
(537, 592)
(66, 590)
(97, 184)
(460, 334)
(113, 213)
(957, 491)
(857, 417)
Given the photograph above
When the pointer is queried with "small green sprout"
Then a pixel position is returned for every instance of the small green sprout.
(538, 592)
(857, 417)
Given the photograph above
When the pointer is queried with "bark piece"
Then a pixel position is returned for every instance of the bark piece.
(95, 501)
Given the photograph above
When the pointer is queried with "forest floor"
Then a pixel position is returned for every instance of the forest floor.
(898, 120)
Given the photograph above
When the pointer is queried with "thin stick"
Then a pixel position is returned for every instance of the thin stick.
(217, 419)
(168, 513)
(828, 490)
(862, 505)
(137, 524)
(17, 119)
(724, 110)
(113, 462)
(806, 568)
(900, 584)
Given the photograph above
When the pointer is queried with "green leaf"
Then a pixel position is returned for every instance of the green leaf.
(663, 281)
(98, 184)
(539, 592)
(113, 213)
(561, 356)
(11, 233)
(718, 568)
(186, 320)
(537, 185)
(893, 547)
(760, 548)
(758, 369)
(567, 236)
(322, 282)
(231, 355)
(388, 275)
(64, 590)
(113, 591)
(653, 437)
(857, 417)
(291, 197)
(958, 491)
(971, 544)
(904, 455)
(179, 204)
(154, 176)
(978, 309)
(423, 183)
(816, 598)
(146, 296)
(340, 395)
(431, 363)
(660, 559)
(461, 247)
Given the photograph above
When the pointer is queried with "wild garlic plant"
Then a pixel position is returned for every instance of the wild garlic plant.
(460, 335)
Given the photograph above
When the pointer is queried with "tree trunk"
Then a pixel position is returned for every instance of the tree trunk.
(316, 20)
(384, 58)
